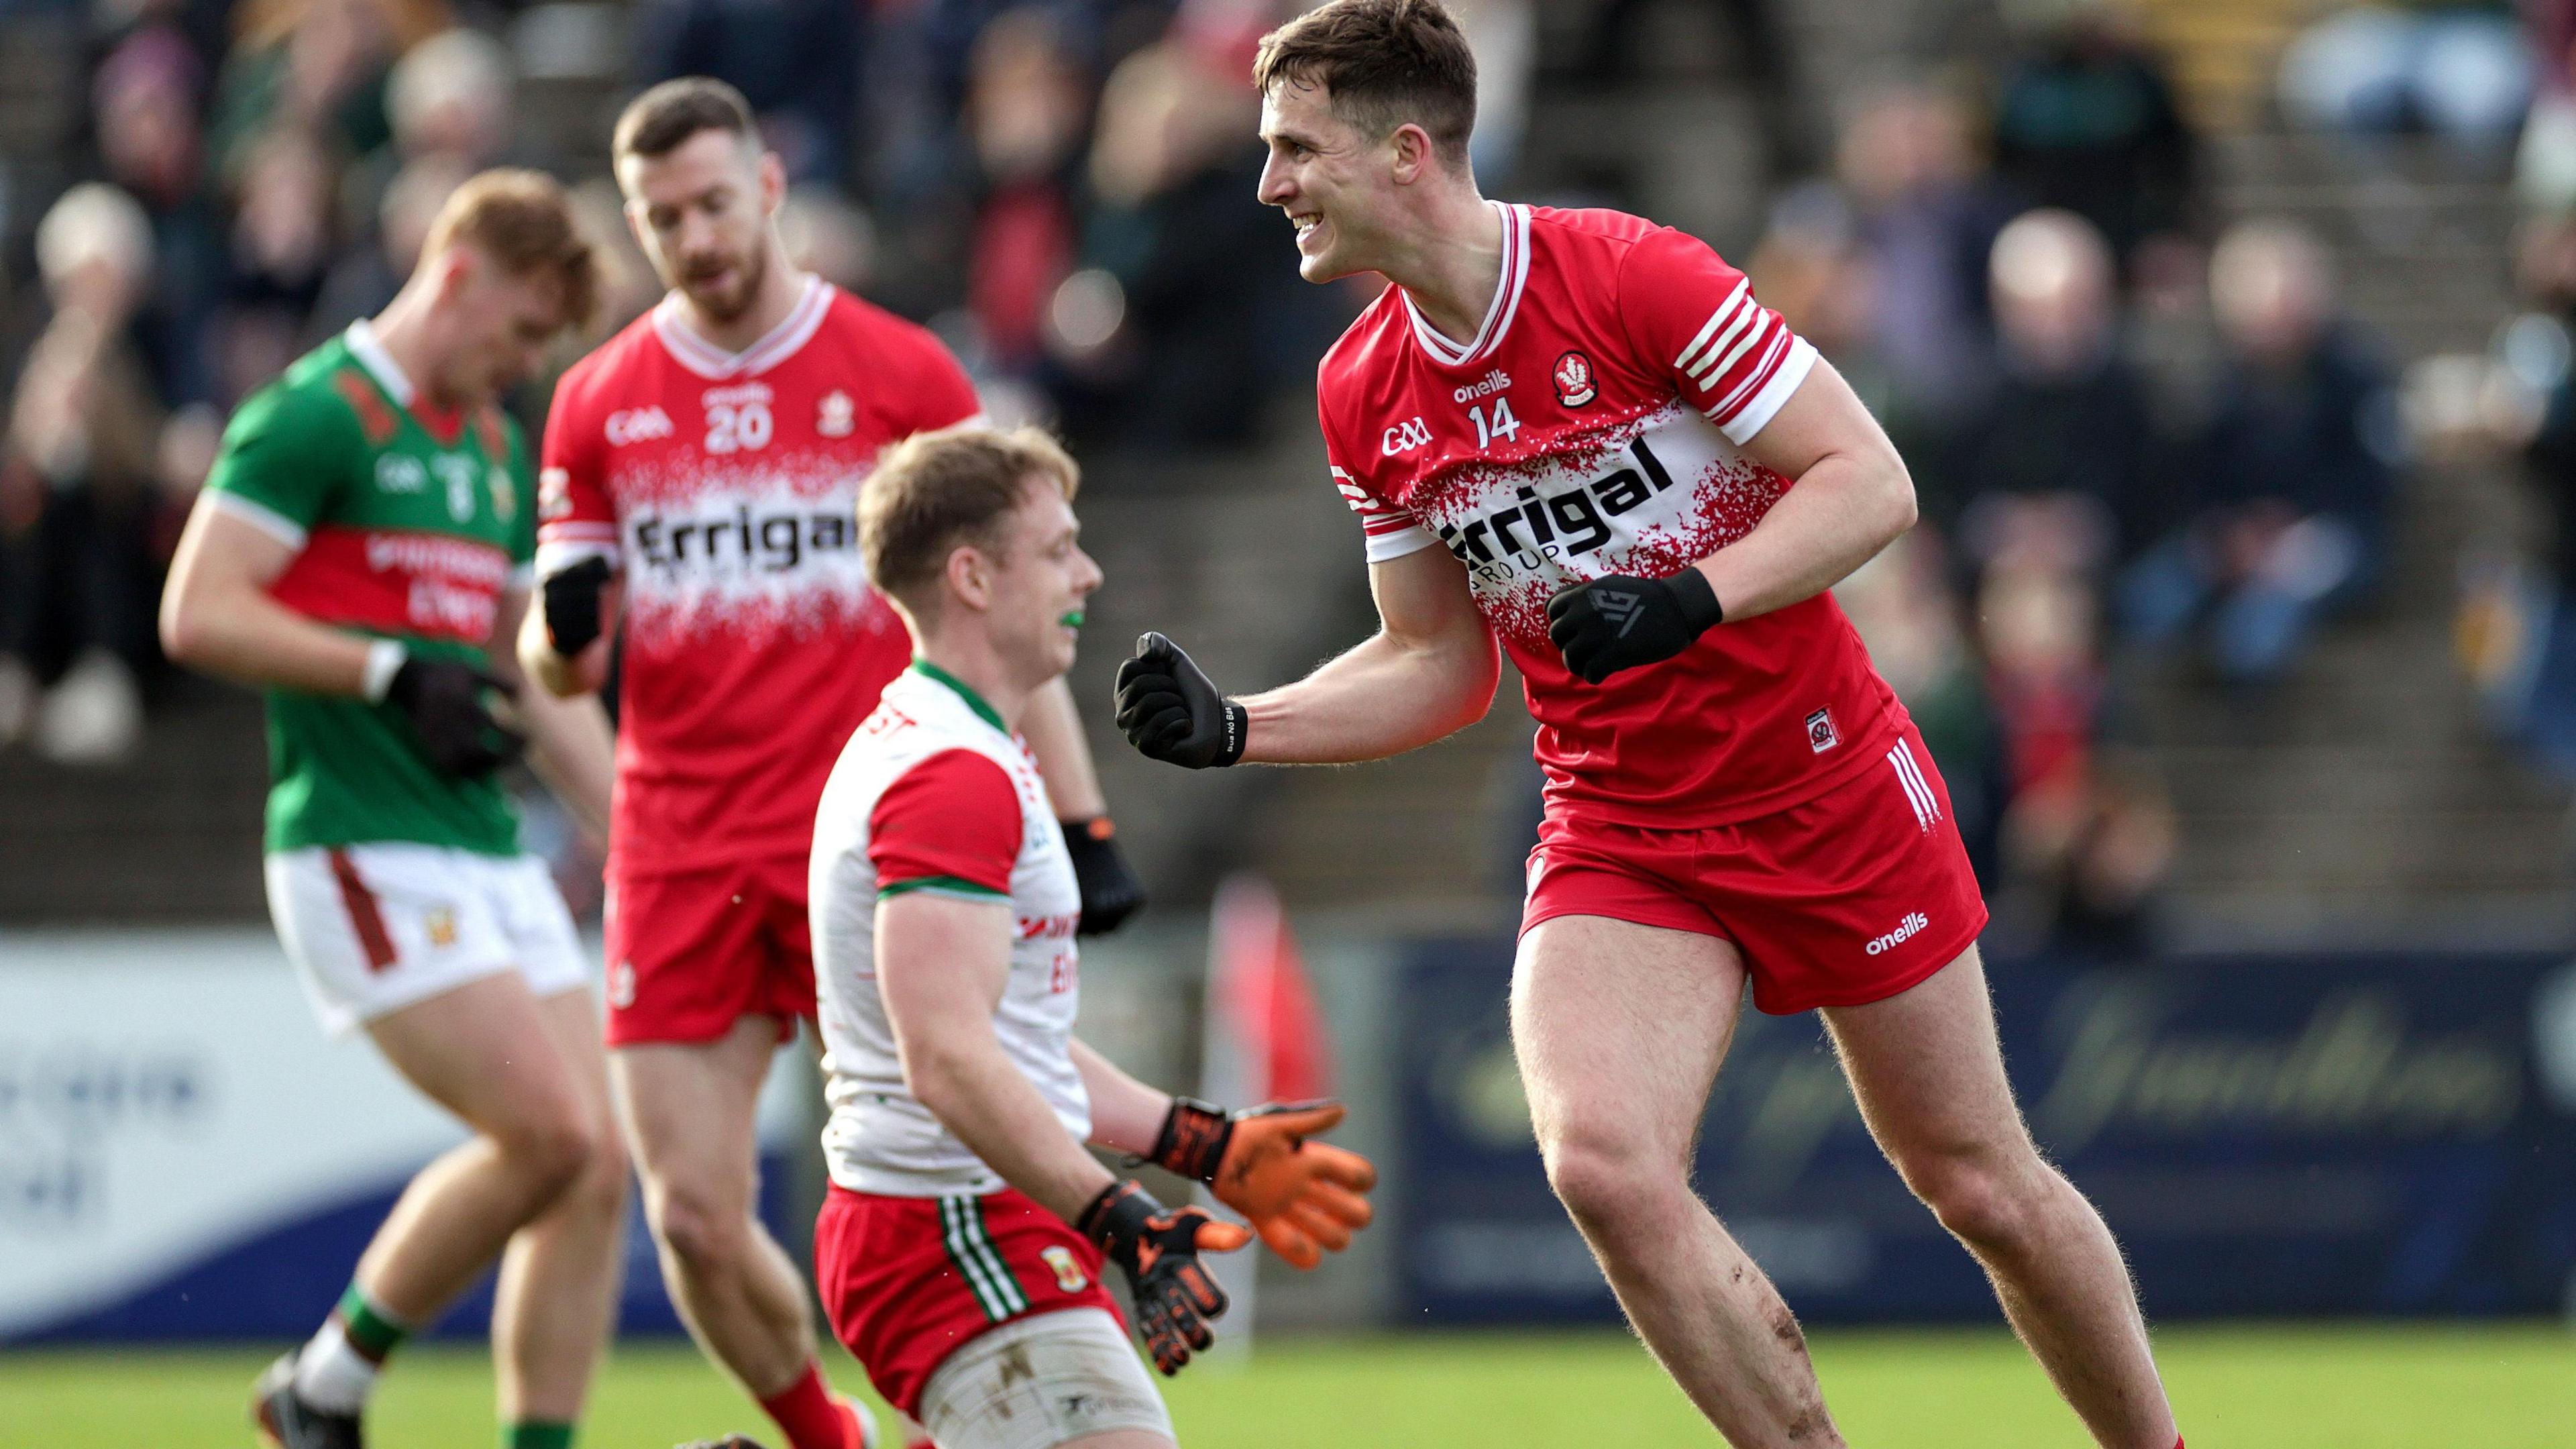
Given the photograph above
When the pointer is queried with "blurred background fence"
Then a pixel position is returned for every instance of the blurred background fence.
(2227, 340)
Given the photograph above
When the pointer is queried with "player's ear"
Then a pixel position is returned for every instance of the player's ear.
(773, 182)
(454, 268)
(970, 576)
(1413, 153)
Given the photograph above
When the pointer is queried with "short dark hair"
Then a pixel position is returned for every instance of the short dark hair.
(934, 491)
(1381, 63)
(656, 122)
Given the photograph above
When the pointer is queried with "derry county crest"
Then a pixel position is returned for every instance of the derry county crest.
(838, 416)
(1573, 378)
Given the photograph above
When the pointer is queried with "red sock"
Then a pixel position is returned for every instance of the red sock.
(810, 1416)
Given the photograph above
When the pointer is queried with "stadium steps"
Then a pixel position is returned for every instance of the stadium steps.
(171, 835)
(2365, 792)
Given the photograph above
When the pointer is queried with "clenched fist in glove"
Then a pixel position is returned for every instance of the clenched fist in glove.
(1169, 710)
(1605, 625)
(1305, 1198)
(1158, 1248)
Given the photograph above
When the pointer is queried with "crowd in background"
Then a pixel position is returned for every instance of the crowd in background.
(2141, 440)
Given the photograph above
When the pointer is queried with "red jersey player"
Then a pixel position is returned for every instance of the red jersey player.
(1578, 432)
(699, 475)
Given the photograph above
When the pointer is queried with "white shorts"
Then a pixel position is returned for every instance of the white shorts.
(1040, 1382)
(375, 928)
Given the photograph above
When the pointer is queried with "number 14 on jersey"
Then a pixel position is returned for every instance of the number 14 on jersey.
(1502, 425)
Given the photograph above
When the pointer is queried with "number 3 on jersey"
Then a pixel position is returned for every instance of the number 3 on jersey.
(1502, 426)
(741, 427)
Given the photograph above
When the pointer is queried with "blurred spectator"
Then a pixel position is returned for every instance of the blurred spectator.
(78, 494)
(2461, 71)
(281, 249)
(2087, 121)
(1026, 108)
(797, 61)
(319, 65)
(1927, 217)
(2517, 631)
(2297, 469)
(362, 281)
(1160, 334)
(450, 96)
(2064, 443)
(145, 100)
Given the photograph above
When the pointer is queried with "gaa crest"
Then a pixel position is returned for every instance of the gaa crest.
(838, 416)
(1573, 378)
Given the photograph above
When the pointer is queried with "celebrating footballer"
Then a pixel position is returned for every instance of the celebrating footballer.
(1580, 434)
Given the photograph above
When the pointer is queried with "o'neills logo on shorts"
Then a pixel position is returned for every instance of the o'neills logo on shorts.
(1912, 924)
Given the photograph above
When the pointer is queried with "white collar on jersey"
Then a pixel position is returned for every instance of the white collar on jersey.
(780, 343)
(1498, 313)
(369, 349)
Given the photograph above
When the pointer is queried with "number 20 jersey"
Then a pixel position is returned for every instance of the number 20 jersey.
(1593, 426)
(723, 487)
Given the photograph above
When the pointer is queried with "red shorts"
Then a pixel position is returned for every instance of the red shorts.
(907, 1280)
(1845, 899)
(692, 952)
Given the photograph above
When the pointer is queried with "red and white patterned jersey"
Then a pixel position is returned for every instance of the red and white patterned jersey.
(1592, 426)
(724, 488)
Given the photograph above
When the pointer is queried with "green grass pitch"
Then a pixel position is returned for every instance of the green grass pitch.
(2376, 1387)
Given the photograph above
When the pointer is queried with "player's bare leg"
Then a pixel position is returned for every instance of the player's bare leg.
(689, 1116)
(560, 1274)
(1619, 1029)
(485, 1052)
(1930, 1081)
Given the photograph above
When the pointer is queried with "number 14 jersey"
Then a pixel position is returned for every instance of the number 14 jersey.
(1593, 426)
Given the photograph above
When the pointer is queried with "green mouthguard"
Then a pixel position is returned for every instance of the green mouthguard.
(1072, 619)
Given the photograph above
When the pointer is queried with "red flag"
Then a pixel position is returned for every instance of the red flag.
(1262, 996)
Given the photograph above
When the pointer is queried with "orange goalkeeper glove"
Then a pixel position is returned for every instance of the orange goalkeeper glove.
(1305, 1198)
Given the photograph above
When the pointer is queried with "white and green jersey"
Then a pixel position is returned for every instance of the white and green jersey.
(409, 524)
(934, 795)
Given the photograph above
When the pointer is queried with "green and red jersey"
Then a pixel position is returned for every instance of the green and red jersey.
(408, 525)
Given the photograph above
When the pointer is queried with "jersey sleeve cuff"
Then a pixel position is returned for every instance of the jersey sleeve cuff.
(556, 555)
(1395, 543)
(260, 516)
(955, 887)
(1757, 410)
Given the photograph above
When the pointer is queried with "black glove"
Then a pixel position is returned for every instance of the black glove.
(443, 699)
(572, 605)
(1110, 891)
(1158, 1249)
(1170, 712)
(1622, 621)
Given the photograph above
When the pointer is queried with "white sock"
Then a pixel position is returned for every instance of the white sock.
(331, 1374)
